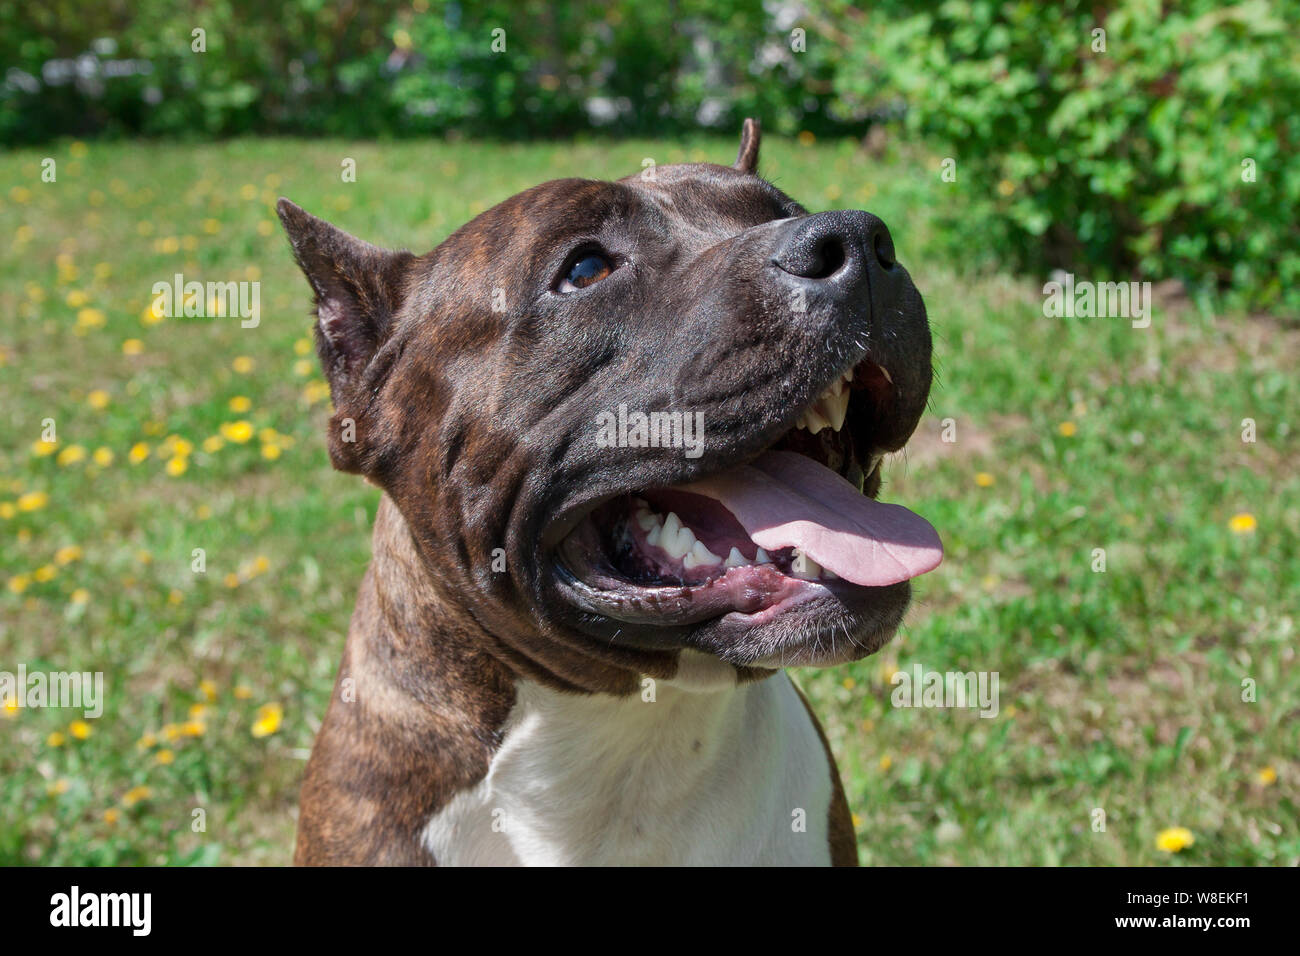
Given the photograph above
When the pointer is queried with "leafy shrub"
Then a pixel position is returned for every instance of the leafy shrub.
(1131, 135)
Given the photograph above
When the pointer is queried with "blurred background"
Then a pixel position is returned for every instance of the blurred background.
(1002, 142)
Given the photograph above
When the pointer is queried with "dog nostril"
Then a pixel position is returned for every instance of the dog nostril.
(884, 251)
(829, 258)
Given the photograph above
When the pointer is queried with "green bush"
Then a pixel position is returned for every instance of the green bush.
(1163, 146)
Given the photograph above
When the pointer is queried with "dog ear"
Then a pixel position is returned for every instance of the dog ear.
(747, 158)
(358, 289)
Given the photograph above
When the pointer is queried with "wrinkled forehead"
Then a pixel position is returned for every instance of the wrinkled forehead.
(695, 205)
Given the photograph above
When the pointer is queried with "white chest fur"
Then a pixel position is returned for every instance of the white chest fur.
(733, 775)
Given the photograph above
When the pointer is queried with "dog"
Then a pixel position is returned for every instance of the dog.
(628, 436)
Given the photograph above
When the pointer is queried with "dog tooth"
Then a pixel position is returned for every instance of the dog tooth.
(813, 421)
(839, 410)
(885, 372)
(735, 559)
(677, 539)
(811, 569)
(762, 558)
(655, 537)
(829, 575)
(647, 519)
(700, 555)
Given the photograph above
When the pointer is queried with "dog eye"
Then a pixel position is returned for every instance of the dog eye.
(587, 270)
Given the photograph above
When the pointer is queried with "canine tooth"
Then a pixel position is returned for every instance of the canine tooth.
(700, 555)
(655, 537)
(829, 575)
(885, 372)
(647, 519)
(735, 559)
(839, 410)
(762, 558)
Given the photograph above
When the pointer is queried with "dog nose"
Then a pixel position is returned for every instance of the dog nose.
(850, 242)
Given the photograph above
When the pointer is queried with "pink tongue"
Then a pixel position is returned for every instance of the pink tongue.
(784, 499)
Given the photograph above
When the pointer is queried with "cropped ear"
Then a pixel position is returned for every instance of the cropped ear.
(358, 290)
(747, 158)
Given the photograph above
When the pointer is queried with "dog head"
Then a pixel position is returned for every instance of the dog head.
(624, 419)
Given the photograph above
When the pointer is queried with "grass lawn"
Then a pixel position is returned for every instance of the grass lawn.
(1120, 691)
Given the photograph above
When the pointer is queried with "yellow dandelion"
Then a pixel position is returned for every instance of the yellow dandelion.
(807, 137)
(58, 787)
(174, 596)
(42, 449)
(1266, 777)
(171, 732)
(56, 739)
(111, 816)
(7, 510)
(79, 596)
(90, 318)
(242, 364)
(45, 573)
(194, 728)
(240, 404)
(1174, 839)
(984, 479)
(136, 795)
(76, 299)
(32, 501)
(302, 368)
(849, 683)
(19, 583)
(164, 757)
(80, 729)
(886, 762)
(314, 392)
(10, 706)
(261, 564)
(1242, 523)
(268, 719)
(138, 453)
(177, 466)
(213, 444)
(302, 347)
(132, 347)
(146, 741)
(71, 455)
(102, 456)
(208, 688)
(203, 512)
(270, 452)
(98, 399)
(231, 580)
(1067, 429)
(238, 432)
(242, 692)
(248, 191)
(180, 447)
(1006, 187)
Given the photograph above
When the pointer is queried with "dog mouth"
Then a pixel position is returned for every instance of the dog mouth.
(789, 534)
